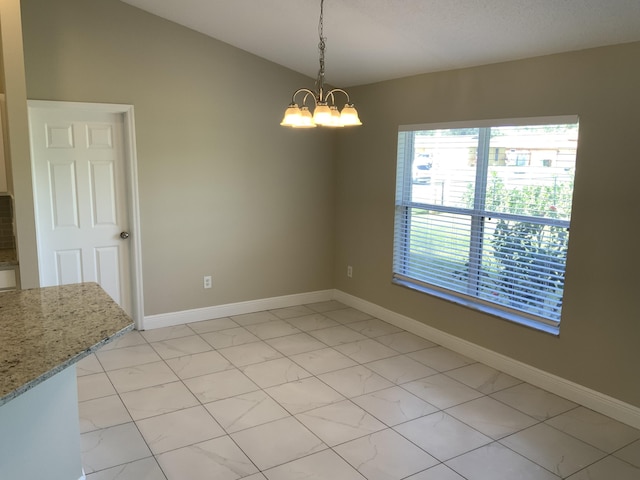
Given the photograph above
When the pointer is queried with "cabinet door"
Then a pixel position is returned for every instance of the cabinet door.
(7, 279)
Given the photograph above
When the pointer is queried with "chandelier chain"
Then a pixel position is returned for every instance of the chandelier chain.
(321, 46)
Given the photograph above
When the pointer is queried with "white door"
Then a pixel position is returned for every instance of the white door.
(81, 199)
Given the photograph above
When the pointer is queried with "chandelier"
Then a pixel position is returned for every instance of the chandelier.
(325, 111)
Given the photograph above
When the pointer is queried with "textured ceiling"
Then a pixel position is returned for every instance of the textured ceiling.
(374, 40)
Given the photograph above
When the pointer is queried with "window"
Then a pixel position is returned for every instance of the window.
(483, 213)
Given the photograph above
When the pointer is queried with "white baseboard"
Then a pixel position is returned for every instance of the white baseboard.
(219, 311)
(582, 395)
(587, 397)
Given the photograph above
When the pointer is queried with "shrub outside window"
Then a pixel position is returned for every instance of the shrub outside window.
(483, 211)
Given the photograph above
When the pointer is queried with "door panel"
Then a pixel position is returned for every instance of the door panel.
(81, 201)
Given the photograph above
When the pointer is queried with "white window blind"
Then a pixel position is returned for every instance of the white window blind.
(485, 219)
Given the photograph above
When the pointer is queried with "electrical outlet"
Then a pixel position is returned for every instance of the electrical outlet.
(349, 271)
(207, 281)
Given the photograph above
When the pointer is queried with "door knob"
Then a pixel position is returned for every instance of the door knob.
(124, 235)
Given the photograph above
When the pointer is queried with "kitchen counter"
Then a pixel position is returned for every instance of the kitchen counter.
(43, 333)
(45, 330)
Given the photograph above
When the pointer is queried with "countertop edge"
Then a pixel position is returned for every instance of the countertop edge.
(58, 368)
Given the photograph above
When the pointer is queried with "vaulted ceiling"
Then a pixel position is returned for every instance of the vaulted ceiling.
(374, 40)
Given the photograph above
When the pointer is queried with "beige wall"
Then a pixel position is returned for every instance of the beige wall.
(253, 204)
(224, 190)
(599, 342)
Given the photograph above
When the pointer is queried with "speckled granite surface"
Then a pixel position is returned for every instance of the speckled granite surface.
(44, 330)
(8, 257)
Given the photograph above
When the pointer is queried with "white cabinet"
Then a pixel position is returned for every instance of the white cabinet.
(7, 279)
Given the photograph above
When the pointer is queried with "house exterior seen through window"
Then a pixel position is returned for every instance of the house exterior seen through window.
(483, 211)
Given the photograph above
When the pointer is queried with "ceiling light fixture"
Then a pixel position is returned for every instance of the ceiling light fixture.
(325, 113)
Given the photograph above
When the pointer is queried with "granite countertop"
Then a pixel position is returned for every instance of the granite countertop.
(8, 257)
(45, 330)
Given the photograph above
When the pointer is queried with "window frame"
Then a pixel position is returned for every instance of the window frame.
(404, 204)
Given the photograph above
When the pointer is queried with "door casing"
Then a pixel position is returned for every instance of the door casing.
(133, 206)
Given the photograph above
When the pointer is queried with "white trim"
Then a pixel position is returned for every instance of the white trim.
(582, 395)
(496, 122)
(83, 477)
(229, 309)
(133, 204)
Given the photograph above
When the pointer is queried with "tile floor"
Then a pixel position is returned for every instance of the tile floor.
(323, 391)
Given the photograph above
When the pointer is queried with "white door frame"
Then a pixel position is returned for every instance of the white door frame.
(133, 204)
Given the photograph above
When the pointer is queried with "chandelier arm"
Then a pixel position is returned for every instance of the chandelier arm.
(307, 92)
(331, 92)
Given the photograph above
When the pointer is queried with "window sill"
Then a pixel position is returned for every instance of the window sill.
(480, 307)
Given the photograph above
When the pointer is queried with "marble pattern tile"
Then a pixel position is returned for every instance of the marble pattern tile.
(374, 328)
(323, 361)
(101, 413)
(491, 417)
(254, 318)
(365, 351)
(595, 429)
(129, 339)
(347, 315)
(303, 395)
(439, 472)
(219, 458)
(198, 364)
(214, 325)
(442, 436)
(355, 381)
(442, 391)
(112, 446)
(249, 353)
(305, 410)
(385, 455)
(440, 358)
(88, 366)
(141, 376)
(483, 378)
(145, 469)
(337, 335)
(127, 357)
(291, 312)
(246, 411)
(339, 422)
(405, 342)
(325, 465)
(216, 386)
(496, 462)
(179, 429)
(554, 450)
(94, 386)
(534, 401)
(400, 369)
(275, 372)
(630, 453)
(314, 321)
(158, 400)
(178, 347)
(273, 329)
(277, 442)
(294, 344)
(327, 306)
(230, 337)
(166, 333)
(394, 405)
(608, 468)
